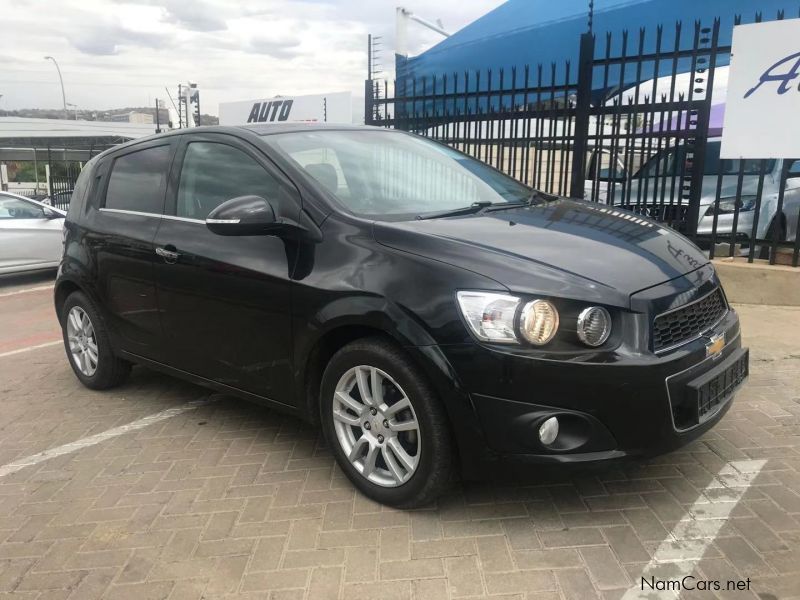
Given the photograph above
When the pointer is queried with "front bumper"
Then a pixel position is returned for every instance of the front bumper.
(635, 407)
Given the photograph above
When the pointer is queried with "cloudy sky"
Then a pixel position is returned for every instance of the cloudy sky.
(122, 53)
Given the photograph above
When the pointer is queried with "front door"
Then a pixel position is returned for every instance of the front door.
(224, 300)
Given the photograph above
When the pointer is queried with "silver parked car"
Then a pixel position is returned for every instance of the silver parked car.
(654, 190)
(30, 234)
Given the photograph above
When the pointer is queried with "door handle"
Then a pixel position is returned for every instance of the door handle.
(168, 253)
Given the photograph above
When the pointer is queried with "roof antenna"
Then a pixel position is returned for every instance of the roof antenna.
(591, 14)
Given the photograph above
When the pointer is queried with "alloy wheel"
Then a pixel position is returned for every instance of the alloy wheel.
(376, 426)
(82, 341)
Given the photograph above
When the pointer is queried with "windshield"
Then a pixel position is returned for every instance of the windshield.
(394, 175)
(714, 165)
(665, 164)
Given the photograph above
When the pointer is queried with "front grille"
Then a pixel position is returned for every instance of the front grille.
(673, 214)
(687, 322)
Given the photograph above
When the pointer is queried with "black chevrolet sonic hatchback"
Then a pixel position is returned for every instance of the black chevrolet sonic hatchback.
(429, 312)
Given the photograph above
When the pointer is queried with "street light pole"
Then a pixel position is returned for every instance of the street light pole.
(60, 79)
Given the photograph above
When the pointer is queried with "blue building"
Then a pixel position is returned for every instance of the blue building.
(532, 32)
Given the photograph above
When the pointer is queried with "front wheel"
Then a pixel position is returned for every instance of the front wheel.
(385, 424)
(776, 231)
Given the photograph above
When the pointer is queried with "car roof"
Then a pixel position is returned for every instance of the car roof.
(17, 196)
(273, 128)
(258, 129)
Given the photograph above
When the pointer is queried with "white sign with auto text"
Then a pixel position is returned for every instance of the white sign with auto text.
(763, 103)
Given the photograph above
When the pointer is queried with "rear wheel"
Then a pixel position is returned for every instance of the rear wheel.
(88, 346)
(385, 425)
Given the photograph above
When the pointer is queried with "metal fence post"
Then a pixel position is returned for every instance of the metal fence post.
(369, 100)
(582, 107)
(700, 78)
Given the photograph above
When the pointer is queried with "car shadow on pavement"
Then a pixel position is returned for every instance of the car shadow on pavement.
(21, 280)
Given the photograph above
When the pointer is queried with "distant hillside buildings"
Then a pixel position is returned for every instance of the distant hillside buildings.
(133, 117)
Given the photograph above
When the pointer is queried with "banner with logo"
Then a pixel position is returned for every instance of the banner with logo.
(763, 104)
(336, 107)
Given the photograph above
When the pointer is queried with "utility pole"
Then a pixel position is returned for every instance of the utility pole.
(61, 80)
(158, 115)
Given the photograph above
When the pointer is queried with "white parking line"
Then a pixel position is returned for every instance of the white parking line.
(27, 290)
(35, 459)
(29, 348)
(688, 541)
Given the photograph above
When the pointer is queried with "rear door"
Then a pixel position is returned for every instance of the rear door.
(122, 221)
(224, 300)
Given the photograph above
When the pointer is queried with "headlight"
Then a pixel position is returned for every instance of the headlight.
(489, 316)
(538, 322)
(594, 325)
(727, 206)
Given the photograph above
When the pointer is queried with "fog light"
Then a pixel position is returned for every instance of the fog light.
(548, 431)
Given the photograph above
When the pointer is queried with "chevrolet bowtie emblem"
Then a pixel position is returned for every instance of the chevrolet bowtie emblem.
(715, 345)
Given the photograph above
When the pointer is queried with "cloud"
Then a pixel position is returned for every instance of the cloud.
(107, 39)
(194, 15)
(116, 53)
(277, 48)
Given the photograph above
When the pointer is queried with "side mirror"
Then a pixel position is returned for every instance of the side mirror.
(792, 182)
(245, 215)
(607, 175)
(49, 213)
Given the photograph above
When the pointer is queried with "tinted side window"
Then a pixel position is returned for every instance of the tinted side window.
(79, 192)
(138, 180)
(213, 173)
(661, 165)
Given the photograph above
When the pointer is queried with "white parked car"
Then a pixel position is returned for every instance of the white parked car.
(655, 190)
(30, 234)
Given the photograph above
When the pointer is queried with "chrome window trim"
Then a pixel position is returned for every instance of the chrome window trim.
(184, 219)
(122, 211)
(694, 366)
(147, 214)
(703, 332)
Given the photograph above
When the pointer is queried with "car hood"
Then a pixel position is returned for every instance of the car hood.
(666, 190)
(564, 248)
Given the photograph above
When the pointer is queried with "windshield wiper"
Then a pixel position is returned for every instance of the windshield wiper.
(457, 212)
(535, 199)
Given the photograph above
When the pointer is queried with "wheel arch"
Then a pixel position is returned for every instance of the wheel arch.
(62, 291)
(462, 421)
(320, 354)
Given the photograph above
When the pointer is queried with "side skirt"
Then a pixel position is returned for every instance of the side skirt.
(220, 387)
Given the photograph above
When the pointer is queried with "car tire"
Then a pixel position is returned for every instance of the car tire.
(391, 445)
(775, 230)
(89, 352)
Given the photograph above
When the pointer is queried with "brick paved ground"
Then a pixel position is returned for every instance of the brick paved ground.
(231, 500)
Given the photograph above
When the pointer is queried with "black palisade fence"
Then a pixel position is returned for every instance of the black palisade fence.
(633, 125)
